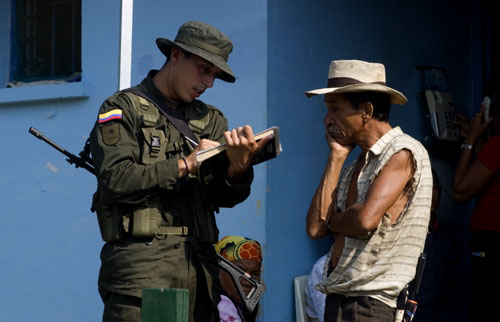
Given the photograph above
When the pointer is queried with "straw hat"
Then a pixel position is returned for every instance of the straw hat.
(357, 76)
(205, 41)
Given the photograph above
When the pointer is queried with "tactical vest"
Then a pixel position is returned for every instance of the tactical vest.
(145, 221)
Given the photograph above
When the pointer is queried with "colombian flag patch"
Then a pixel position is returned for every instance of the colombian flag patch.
(115, 114)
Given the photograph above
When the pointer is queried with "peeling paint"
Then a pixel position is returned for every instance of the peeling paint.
(52, 167)
(51, 114)
(259, 204)
(43, 187)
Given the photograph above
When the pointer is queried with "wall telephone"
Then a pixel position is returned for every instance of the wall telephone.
(442, 116)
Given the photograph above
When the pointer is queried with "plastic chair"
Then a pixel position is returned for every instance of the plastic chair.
(300, 283)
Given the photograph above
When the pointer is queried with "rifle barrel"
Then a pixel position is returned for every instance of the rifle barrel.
(79, 162)
(42, 137)
(419, 273)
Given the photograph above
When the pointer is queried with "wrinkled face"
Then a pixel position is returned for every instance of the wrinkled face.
(190, 76)
(251, 267)
(343, 121)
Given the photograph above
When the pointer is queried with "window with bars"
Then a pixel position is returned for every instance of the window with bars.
(46, 40)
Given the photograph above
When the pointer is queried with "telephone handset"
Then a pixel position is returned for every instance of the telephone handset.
(442, 114)
(487, 103)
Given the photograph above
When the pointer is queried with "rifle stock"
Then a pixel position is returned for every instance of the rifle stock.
(252, 299)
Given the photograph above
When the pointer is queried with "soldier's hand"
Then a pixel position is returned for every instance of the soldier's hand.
(241, 147)
(191, 159)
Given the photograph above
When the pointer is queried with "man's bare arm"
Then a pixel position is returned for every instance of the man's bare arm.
(386, 189)
(323, 200)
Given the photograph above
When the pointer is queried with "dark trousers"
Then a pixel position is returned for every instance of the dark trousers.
(485, 275)
(119, 307)
(125, 308)
(340, 308)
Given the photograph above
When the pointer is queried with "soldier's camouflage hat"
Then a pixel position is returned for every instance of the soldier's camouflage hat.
(205, 41)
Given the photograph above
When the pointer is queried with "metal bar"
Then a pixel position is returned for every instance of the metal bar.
(127, 13)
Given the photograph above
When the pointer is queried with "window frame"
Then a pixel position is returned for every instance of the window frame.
(36, 92)
(18, 47)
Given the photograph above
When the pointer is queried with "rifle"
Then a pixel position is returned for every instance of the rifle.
(252, 299)
(84, 161)
(406, 305)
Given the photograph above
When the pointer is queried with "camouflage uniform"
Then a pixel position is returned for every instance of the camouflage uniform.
(135, 176)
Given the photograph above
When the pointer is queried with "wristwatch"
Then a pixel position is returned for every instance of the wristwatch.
(466, 146)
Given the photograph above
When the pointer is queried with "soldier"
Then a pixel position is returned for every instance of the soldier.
(378, 207)
(155, 215)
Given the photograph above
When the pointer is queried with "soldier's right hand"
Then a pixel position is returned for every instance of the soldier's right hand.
(191, 159)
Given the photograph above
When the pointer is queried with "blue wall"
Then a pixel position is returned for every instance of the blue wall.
(50, 244)
(303, 38)
(4, 34)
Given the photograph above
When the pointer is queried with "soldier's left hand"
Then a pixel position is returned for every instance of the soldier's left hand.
(240, 149)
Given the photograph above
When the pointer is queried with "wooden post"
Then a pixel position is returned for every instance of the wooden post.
(165, 305)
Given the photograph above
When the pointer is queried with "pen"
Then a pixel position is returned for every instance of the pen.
(190, 140)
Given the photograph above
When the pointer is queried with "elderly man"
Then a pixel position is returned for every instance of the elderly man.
(155, 215)
(377, 208)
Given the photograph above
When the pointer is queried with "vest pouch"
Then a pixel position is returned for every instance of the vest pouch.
(205, 226)
(109, 218)
(146, 220)
(155, 145)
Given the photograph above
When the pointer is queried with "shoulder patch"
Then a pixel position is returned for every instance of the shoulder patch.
(115, 114)
(110, 133)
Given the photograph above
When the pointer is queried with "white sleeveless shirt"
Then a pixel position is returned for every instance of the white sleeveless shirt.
(383, 262)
